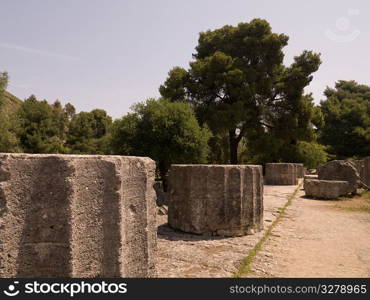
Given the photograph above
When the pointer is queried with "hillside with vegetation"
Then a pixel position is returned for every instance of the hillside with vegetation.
(10, 103)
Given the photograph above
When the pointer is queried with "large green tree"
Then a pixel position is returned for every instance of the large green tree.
(43, 126)
(89, 131)
(165, 131)
(291, 138)
(346, 112)
(238, 84)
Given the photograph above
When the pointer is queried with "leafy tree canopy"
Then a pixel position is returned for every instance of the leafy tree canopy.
(346, 111)
(237, 84)
(88, 131)
(165, 131)
(43, 126)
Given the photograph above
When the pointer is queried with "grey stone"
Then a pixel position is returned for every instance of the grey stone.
(224, 200)
(77, 216)
(308, 177)
(300, 169)
(311, 176)
(162, 210)
(360, 167)
(341, 170)
(367, 171)
(281, 174)
(326, 189)
(162, 198)
(305, 171)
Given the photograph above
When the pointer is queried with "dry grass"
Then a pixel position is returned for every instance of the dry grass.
(358, 203)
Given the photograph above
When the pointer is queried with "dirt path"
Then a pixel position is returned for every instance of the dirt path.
(316, 239)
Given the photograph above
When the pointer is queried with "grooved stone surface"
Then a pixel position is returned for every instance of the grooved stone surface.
(76, 216)
(340, 170)
(326, 189)
(281, 174)
(225, 200)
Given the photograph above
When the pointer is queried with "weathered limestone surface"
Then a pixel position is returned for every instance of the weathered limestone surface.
(308, 177)
(367, 171)
(341, 170)
(311, 177)
(326, 189)
(300, 170)
(281, 174)
(76, 216)
(224, 200)
(360, 167)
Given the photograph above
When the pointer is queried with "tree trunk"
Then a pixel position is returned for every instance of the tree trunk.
(233, 141)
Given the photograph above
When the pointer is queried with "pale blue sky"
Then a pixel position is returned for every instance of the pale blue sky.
(110, 54)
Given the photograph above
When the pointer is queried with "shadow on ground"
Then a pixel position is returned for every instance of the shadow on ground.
(165, 232)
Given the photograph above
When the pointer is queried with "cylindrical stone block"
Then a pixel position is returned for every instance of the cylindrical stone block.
(281, 174)
(225, 200)
(76, 216)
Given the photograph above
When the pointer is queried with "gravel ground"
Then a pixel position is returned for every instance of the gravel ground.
(317, 238)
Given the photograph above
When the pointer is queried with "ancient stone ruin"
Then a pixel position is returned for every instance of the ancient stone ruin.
(359, 164)
(366, 175)
(281, 174)
(308, 177)
(76, 216)
(326, 189)
(335, 178)
(225, 200)
(300, 170)
(340, 170)
(161, 196)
